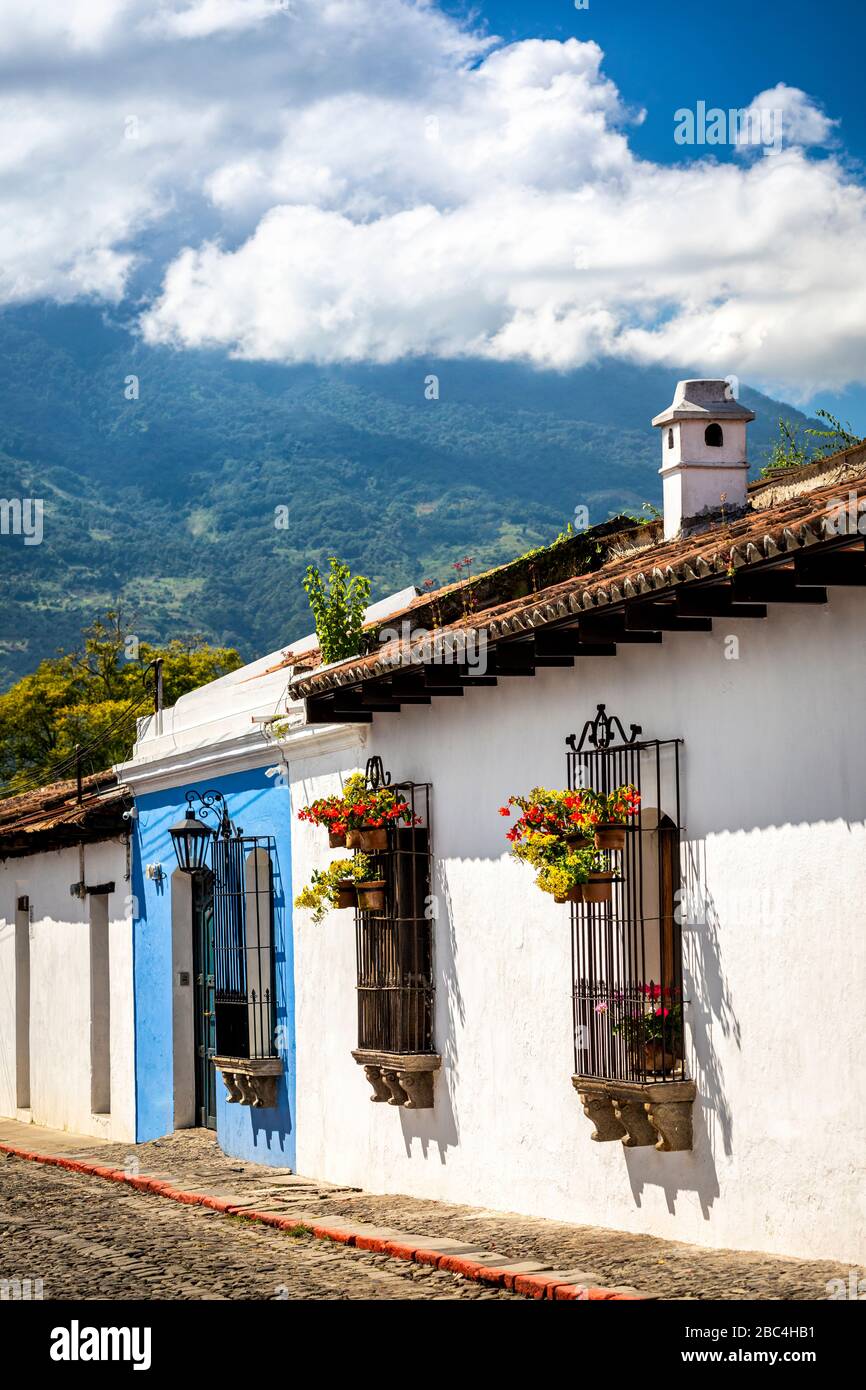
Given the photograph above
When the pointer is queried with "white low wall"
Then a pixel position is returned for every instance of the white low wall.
(774, 777)
(60, 1015)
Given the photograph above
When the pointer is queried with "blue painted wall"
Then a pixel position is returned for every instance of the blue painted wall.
(259, 807)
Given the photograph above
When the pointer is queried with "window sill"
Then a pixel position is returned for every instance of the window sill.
(250, 1080)
(639, 1114)
(400, 1078)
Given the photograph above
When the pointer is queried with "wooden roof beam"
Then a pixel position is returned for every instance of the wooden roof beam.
(611, 627)
(662, 617)
(834, 567)
(776, 586)
(715, 601)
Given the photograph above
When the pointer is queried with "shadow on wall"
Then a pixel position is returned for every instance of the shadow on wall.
(439, 1125)
(7, 1009)
(708, 1007)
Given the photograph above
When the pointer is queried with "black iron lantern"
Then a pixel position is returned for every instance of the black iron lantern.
(191, 839)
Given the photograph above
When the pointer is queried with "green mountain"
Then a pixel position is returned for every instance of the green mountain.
(170, 502)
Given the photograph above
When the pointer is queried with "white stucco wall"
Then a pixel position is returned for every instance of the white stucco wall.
(706, 471)
(60, 1046)
(774, 779)
(690, 445)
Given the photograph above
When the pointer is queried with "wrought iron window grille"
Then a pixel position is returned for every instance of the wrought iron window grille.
(238, 873)
(394, 954)
(630, 1062)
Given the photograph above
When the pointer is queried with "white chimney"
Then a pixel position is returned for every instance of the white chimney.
(703, 452)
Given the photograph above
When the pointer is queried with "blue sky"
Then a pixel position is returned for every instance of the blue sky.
(370, 180)
(664, 55)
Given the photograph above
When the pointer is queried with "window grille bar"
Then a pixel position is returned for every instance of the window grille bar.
(394, 947)
(244, 963)
(627, 953)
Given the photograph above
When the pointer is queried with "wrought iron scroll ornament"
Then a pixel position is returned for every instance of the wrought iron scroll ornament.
(599, 732)
(375, 774)
(212, 804)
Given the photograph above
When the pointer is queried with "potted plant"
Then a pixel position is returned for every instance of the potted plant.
(555, 832)
(337, 887)
(371, 895)
(544, 836)
(553, 812)
(653, 1027)
(564, 880)
(328, 811)
(369, 813)
(599, 885)
(358, 819)
(607, 814)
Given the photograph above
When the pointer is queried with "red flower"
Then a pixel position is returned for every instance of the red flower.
(504, 811)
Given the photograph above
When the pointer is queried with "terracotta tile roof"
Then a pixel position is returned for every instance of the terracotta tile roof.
(786, 515)
(51, 816)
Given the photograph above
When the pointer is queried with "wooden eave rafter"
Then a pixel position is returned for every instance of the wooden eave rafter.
(790, 564)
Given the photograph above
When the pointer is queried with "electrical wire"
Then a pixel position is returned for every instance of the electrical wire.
(68, 767)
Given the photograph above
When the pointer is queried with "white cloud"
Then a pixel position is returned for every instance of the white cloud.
(376, 180)
(788, 117)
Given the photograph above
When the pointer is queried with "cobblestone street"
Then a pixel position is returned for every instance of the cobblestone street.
(86, 1237)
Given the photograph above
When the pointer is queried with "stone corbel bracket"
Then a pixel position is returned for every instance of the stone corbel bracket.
(639, 1113)
(400, 1078)
(250, 1080)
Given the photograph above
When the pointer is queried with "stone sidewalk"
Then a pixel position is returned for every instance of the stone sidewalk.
(191, 1162)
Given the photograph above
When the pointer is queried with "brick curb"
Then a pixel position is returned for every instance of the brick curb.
(525, 1277)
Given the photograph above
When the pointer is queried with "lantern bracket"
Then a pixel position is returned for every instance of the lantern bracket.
(204, 805)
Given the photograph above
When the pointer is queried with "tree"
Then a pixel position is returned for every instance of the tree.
(91, 698)
(338, 610)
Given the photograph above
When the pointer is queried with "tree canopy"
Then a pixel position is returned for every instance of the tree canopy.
(91, 698)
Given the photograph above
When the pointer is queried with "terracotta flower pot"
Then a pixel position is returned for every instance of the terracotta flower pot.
(371, 895)
(574, 895)
(657, 1059)
(598, 889)
(610, 836)
(369, 838)
(346, 895)
(578, 839)
(336, 841)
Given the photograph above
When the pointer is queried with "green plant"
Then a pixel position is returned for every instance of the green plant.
(320, 895)
(338, 610)
(546, 811)
(358, 808)
(654, 1016)
(565, 870)
(837, 437)
(789, 451)
(610, 808)
(651, 513)
(550, 817)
